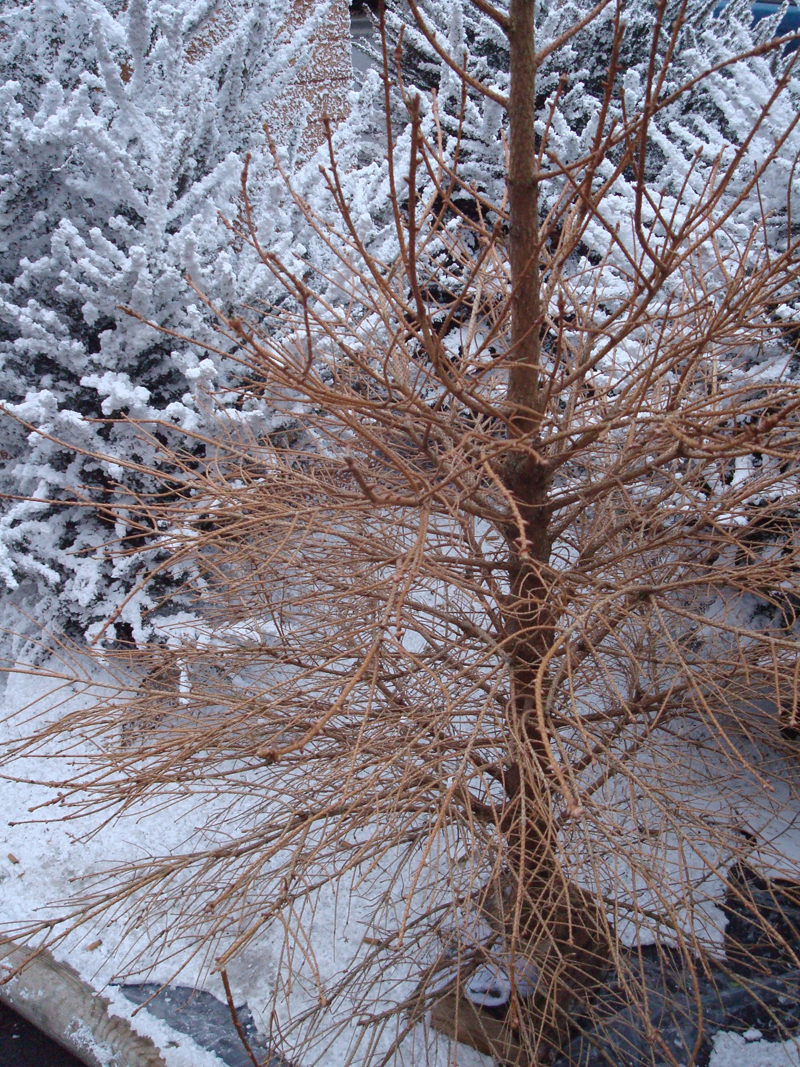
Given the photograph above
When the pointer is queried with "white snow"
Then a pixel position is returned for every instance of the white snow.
(49, 858)
(735, 1050)
(52, 857)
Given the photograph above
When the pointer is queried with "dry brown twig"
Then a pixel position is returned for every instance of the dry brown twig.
(468, 651)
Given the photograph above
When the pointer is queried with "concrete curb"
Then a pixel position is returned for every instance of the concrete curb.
(53, 998)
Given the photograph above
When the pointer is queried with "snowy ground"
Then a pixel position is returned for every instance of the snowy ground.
(43, 859)
(747, 1050)
(42, 862)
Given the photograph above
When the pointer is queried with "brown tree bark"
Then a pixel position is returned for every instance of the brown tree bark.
(543, 905)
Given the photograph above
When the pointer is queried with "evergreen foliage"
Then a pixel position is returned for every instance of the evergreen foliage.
(124, 129)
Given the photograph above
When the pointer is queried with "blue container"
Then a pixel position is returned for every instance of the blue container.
(790, 23)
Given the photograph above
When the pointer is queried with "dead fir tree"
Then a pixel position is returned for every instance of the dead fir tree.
(495, 631)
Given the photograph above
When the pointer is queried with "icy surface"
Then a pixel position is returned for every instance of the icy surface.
(204, 1018)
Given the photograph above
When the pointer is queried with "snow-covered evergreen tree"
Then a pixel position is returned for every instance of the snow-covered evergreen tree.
(718, 112)
(124, 128)
(732, 118)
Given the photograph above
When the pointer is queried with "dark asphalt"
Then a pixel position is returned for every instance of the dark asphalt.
(22, 1045)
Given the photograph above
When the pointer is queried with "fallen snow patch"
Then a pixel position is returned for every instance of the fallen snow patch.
(734, 1050)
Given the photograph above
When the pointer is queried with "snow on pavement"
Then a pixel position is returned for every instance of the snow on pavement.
(735, 1050)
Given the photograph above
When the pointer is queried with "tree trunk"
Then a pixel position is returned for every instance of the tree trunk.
(528, 616)
(523, 238)
(543, 910)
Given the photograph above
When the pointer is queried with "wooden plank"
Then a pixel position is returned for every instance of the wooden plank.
(459, 1019)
